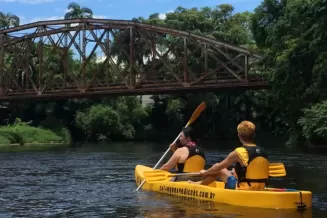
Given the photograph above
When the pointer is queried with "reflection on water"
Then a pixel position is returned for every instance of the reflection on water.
(190, 207)
(98, 181)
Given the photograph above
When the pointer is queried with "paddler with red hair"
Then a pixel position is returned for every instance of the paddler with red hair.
(187, 157)
(252, 164)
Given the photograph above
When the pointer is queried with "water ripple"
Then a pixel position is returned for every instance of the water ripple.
(88, 183)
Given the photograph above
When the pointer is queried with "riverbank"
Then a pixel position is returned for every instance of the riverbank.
(33, 147)
(21, 136)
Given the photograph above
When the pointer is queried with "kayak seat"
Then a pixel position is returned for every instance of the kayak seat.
(194, 164)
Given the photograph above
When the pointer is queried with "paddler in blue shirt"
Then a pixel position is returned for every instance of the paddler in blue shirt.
(252, 164)
(187, 157)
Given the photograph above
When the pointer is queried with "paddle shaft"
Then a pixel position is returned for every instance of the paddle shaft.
(188, 174)
(184, 174)
(159, 176)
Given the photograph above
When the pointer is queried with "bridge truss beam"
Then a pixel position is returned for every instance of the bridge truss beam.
(85, 57)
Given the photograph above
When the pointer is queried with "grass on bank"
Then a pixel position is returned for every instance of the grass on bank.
(22, 133)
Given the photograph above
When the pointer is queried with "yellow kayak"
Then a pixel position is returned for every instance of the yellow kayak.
(269, 198)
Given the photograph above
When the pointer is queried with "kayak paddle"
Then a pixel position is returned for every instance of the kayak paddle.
(275, 170)
(162, 175)
(194, 116)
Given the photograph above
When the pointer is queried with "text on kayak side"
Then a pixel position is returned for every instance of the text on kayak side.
(187, 192)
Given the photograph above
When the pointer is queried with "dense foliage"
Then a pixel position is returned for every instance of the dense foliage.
(291, 33)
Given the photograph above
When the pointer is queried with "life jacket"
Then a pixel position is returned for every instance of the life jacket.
(194, 162)
(255, 173)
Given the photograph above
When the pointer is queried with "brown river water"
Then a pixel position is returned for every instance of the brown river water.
(98, 181)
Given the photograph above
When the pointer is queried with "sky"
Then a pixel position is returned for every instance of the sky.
(38, 10)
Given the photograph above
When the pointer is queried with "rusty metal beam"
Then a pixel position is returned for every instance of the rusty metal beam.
(125, 24)
(142, 91)
(116, 57)
(131, 57)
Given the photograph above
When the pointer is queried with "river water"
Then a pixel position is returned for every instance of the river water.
(98, 181)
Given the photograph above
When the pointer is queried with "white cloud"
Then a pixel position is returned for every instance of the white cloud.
(163, 16)
(31, 2)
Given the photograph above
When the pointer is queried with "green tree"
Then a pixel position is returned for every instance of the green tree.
(76, 11)
(8, 20)
(292, 34)
(314, 123)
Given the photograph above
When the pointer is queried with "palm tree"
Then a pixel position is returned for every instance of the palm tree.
(76, 11)
(8, 20)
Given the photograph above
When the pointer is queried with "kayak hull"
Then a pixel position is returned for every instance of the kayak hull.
(270, 198)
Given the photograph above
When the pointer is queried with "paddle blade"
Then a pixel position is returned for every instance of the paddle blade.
(277, 170)
(197, 113)
(274, 166)
(156, 176)
(277, 173)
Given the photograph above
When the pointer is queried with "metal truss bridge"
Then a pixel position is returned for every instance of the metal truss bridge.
(86, 57)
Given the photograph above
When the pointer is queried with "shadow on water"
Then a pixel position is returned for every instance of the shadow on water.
(98, 181)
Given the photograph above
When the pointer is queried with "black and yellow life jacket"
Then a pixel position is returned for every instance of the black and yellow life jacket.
(255, 173)
(194, 162)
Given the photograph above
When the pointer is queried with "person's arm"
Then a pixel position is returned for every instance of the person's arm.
(173, 147)
(216, 168)
(172, 161)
